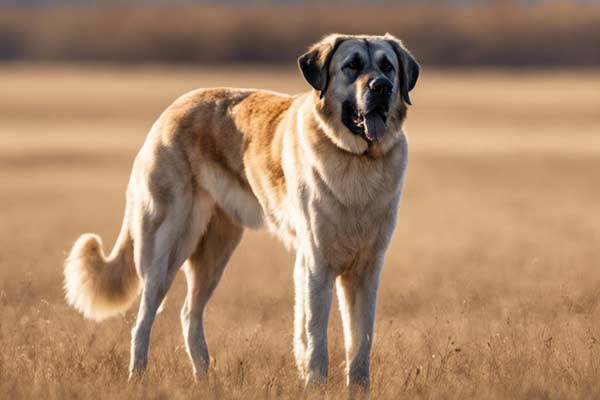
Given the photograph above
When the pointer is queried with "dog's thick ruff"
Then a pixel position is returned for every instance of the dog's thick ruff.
(325, 178)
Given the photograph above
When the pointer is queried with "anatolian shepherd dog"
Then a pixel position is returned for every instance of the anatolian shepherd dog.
(323, 170)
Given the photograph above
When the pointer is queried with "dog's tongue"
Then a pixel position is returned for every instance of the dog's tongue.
(374, 126)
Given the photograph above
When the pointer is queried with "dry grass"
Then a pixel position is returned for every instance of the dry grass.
(491, 286)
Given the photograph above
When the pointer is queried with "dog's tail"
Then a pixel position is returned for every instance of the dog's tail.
(98, 286)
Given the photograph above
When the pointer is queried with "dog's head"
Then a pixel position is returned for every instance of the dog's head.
(362, 84)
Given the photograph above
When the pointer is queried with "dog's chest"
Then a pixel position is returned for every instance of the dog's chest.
(342, 208)
(353, 214)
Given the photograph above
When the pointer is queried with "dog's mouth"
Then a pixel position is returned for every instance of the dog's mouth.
(370, 125)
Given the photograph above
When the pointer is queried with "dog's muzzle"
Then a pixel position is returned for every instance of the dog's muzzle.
(377, 103)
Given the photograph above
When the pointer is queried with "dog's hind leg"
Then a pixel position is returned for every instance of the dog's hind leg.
(165, 239)
(203, 272)
(153, 293)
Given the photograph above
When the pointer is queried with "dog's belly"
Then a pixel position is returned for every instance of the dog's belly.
(229, 194)
(274, 201)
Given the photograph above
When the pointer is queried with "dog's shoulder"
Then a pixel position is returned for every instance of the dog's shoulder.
(262, 117)
(259, 113)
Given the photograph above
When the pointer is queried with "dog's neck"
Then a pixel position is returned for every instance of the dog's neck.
(358, 176)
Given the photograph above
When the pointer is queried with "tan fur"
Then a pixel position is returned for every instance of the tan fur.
(220, 159)
(100, 286)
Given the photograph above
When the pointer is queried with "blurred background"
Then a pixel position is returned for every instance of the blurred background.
(448, 32)
(491, 286)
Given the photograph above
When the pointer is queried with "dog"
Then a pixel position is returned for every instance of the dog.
(323, 170)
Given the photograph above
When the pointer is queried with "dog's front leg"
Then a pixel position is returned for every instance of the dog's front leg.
(318, 286)
(357, 297)
(300, 273)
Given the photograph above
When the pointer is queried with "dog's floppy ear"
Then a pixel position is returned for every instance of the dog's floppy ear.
(409, 68)
(314, 64)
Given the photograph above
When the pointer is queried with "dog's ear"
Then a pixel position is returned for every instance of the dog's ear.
(314, 64)
(409, 68)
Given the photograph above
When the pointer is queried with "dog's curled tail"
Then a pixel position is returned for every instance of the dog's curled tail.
(97, 286)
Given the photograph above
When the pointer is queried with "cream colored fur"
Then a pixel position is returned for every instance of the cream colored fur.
(219, 160)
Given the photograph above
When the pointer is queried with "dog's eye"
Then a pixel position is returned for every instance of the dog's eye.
(386, 66)
(353, 65)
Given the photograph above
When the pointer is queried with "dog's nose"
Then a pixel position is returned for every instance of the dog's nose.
(381, 85)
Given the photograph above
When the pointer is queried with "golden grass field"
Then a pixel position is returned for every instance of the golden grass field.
(491, 287)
